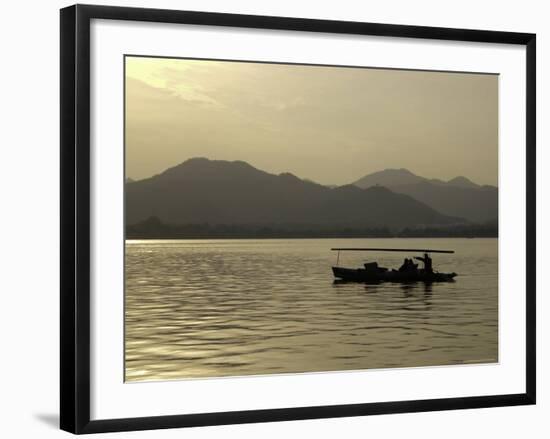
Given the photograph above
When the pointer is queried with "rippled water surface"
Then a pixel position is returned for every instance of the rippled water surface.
(209, 308)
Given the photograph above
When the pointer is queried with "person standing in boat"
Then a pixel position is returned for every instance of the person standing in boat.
(427, 262)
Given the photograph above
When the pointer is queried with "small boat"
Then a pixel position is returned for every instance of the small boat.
(408, 272)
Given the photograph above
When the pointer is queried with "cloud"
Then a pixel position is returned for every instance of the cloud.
(332, 124)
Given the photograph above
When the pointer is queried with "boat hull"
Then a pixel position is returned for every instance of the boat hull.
(362, 275)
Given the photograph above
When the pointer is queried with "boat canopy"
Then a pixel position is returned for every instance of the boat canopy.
(408, 250)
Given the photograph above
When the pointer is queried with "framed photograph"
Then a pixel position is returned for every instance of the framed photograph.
(268, 218)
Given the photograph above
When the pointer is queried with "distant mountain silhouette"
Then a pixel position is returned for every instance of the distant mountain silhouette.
(458, 197)
(202, 191)
(388, 178)
(462, 182)
(330, 186)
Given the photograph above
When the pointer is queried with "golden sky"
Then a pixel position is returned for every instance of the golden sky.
(328, 124)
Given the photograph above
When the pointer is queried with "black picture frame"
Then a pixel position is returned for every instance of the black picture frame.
(75, 217)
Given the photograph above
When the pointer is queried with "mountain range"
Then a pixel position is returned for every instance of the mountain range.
(458, 197)
(200, 191)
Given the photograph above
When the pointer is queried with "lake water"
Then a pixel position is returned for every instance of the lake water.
(212, 308)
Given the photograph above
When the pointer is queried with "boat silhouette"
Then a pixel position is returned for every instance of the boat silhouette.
(408, 272)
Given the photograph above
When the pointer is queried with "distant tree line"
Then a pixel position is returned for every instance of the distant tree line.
(485, 230)
(154, 228)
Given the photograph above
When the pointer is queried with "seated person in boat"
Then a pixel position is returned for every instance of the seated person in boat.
(408, 265)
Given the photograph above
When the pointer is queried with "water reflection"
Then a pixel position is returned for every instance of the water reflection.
(240, 307)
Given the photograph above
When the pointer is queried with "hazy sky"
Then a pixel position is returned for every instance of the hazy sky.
(331, 125)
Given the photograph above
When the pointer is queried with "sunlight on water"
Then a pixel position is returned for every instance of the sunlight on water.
(210, 308)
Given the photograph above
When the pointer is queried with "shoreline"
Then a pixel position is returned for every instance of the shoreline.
(267, 238)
